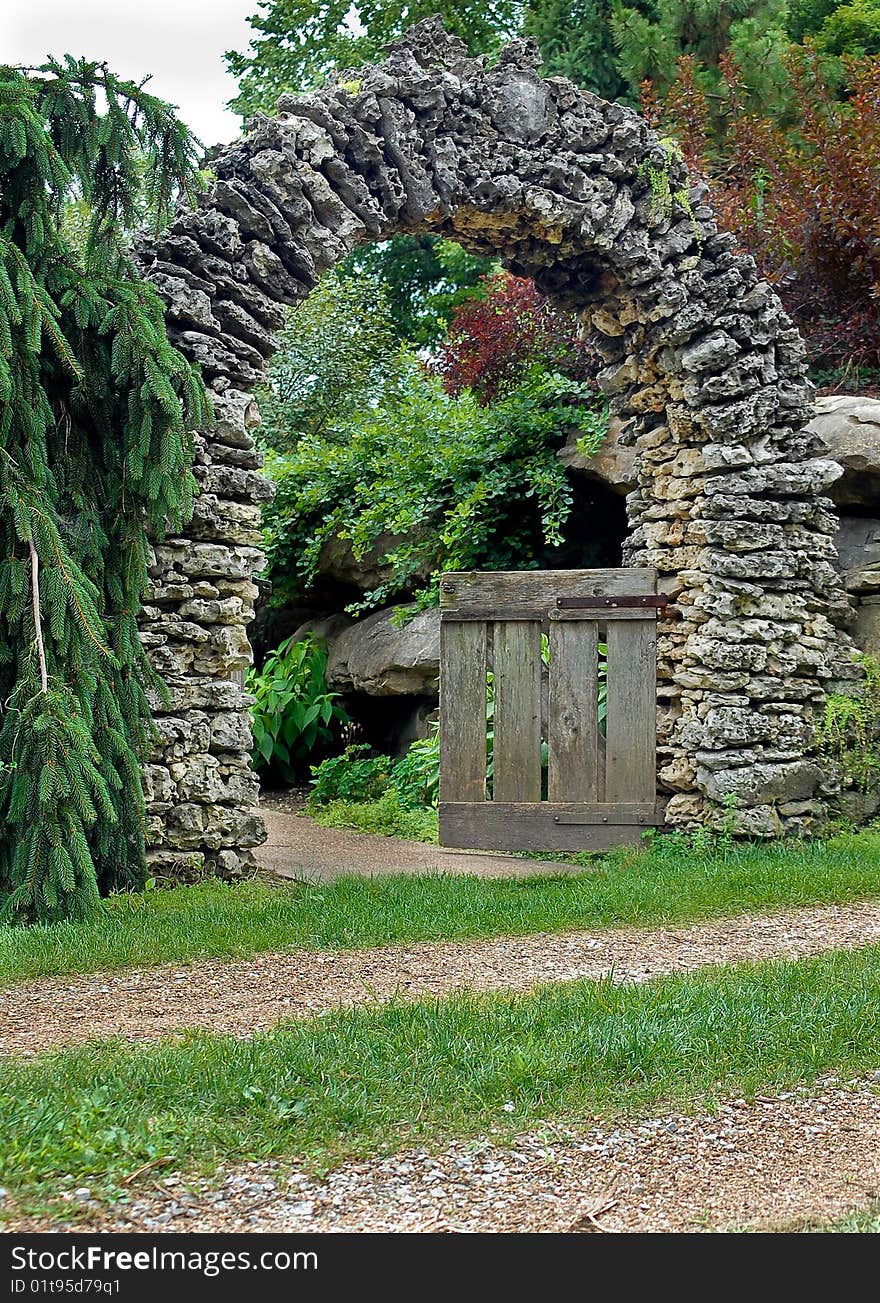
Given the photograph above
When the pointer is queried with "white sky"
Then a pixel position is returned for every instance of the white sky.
(181, 42)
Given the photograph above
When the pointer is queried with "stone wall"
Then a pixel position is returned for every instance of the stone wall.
(703, 365)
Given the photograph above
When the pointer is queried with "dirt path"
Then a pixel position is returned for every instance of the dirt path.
(244, 996)
(774, 1162)
(298, 847)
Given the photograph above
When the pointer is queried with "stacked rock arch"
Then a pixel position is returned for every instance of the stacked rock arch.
(703, 363)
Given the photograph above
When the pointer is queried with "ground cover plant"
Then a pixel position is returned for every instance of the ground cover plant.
(670, 880)
(359, 1082)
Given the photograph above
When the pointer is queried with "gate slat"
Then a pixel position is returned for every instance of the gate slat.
(517, 678)
(631, 722)
(573, 723)
(462, 712)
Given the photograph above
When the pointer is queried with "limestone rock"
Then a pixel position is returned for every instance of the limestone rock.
(378, 658)
(848, 429)
(858, 547)
(338, 561)
(866, 629)
(327, 628)
(613, 464)
(725, 495)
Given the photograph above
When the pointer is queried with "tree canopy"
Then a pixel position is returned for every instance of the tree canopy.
(299, 41)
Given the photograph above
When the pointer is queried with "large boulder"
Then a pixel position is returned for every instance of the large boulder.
(848, 428)
(377, 657)
(326, 628)
(858, 546)
(613, 465)
(866, 630)
(337, 561)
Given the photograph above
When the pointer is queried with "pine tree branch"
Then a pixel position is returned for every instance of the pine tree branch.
(38, 623)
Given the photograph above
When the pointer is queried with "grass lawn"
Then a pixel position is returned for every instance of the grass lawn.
(864, 1221)
(357, 1082)
(674, 880)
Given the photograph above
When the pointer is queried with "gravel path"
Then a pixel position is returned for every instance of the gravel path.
(244, 996)
(774, 1162)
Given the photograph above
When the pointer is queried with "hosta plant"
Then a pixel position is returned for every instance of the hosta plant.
(294, 712)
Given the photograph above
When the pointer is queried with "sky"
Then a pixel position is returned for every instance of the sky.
(181, 42)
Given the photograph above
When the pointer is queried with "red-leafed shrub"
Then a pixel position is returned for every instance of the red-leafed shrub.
(805, 201)
(495, 339)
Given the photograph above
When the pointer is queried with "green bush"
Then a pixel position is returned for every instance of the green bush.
(294, 711)
(358, 776)
(353, 776)
(424, 481)
(416, 777)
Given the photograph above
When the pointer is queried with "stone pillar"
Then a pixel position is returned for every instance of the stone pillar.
(201, 790)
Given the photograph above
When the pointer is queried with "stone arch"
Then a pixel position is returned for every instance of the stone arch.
(702, 361)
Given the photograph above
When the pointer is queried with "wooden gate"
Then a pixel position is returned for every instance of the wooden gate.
(597, 787)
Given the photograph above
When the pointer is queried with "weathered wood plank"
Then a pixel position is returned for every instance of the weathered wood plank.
(503, 826)
(517, 677)
(585, 812)
(493, 613)
(631, 723)
(461, 590)
(573, 715)
(463, 712)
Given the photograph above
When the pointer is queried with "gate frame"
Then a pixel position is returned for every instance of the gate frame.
(617, 774)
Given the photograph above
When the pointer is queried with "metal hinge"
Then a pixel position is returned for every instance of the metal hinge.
(657, 600)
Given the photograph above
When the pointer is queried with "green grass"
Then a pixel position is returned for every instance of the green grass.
(371, 1081)
(862, 1221)
(673, 881)
(387, 817)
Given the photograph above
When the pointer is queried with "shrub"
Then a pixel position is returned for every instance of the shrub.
(358, 776)
(453, 484)
(850, 727)
(852, 29)
(353, 776)
(416, 777)
(805, 201)
(495, 339)
(386, 817)
(294, 711)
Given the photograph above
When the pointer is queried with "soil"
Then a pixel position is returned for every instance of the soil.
(779, 1161)
(241, 997)
(299, 848)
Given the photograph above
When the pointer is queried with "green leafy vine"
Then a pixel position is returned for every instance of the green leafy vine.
(849, 732)
(664, 196)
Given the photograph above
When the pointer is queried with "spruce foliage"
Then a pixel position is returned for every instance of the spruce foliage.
(95, 406)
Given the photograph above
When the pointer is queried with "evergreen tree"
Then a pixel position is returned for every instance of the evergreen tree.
(650, 43)
(575, 39)
(95, 405)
